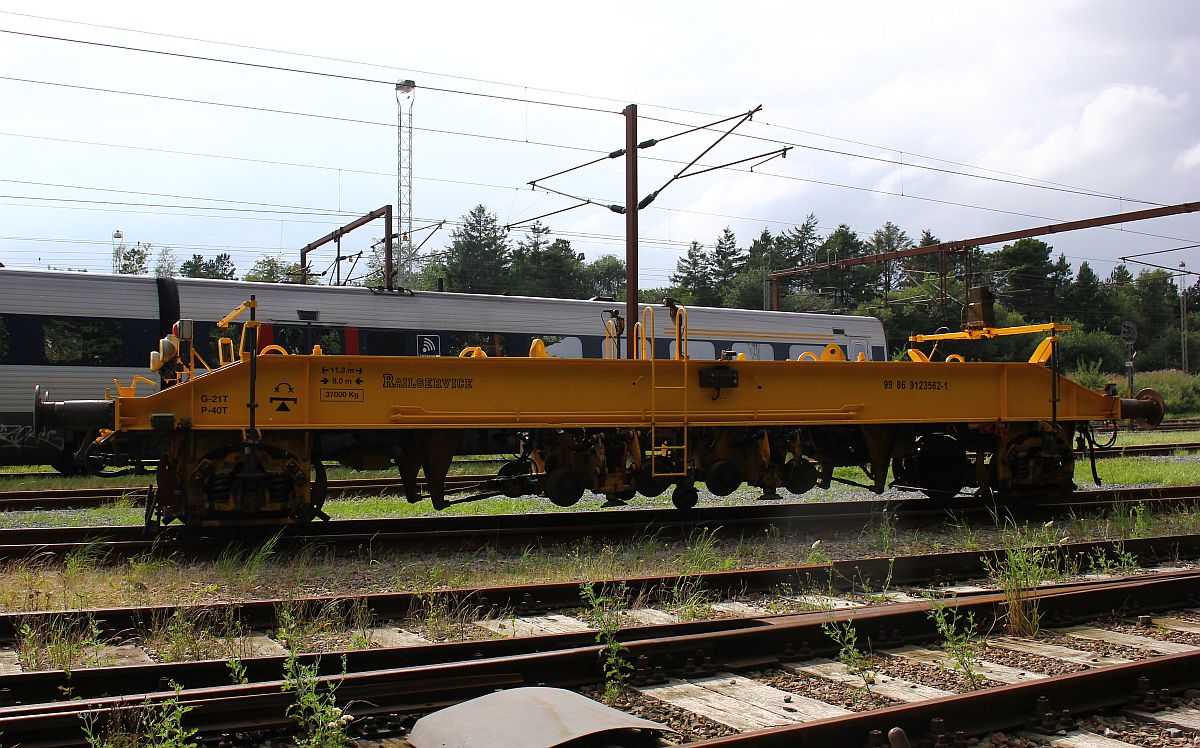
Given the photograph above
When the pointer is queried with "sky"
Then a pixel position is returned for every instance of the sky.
(962, 118)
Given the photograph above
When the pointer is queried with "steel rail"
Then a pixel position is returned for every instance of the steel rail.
(1023, 705)
(1144, 450)
(524, 600)
(90, 497)
(693, 650)
(82, 498)
(124, 540)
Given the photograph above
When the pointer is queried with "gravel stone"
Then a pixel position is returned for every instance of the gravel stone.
(1031, 662)
(925, 674)
(691, 727)
(838, 694)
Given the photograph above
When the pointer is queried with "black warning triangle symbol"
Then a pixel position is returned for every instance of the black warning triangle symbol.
(283, 406)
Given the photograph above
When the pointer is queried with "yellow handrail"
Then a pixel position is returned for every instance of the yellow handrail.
(612, 347)
(681, 332)
(645, 333)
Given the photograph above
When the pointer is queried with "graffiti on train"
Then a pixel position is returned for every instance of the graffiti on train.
(25, 436)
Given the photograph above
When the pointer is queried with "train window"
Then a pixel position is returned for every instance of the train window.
(755, 351)
(561, 347)
(857, 347)
(91, 342)
(795, 350)
(381, 343)
(300, 339)
(492, 343)
(206, 335)
(698, 350)
(3, 340)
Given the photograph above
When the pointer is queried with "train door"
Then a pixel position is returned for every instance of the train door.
(857, 346)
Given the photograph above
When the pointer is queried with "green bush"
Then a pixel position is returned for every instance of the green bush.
(1092, 375)
(1180, 392)
(1079, 349)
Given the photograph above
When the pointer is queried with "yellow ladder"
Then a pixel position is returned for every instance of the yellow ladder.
(646, 351)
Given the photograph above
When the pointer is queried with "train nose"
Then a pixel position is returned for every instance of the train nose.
(81, 415)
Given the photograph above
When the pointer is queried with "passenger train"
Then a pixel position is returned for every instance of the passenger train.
(74, 333)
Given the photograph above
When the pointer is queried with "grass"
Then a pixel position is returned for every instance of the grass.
(239, 566)
(689, 601)
(1129, 438)
(445, 618)
(319, 720)
(88, 580)
(190, 634)
(857, 663)
(41, 584)
(1120, 561)
(1139, 471)
(882, 532)
(154, 725)
(53, 642)
(1029, 559)
(604, 605)
(304, 626)
(960, 638)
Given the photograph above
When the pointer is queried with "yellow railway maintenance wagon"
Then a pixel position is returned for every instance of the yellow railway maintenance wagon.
(246, 440)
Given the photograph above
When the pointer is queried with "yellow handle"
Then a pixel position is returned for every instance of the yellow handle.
(274, 349)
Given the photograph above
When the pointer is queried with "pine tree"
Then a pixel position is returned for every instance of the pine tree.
(847, 287)
(726, 261)
(1085, 300)
(889, 238)
(1023, 275)
(220, 267)
(194, 267)
(693, 274)
(478, 257)
(748, 288)
(796, 247)
(542, 267)
(1120, 276)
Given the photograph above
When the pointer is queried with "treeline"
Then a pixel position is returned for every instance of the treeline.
(917, 294)
(135, 260)
(1030, 282)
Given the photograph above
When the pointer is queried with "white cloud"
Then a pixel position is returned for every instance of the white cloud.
(1188, 160)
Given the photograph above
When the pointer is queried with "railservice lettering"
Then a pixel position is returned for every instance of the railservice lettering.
(428, 383)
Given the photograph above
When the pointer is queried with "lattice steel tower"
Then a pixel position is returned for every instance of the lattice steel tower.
(405, 94)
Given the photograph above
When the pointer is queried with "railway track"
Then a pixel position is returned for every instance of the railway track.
(116, 541)
(745, 681)
(85, 498)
